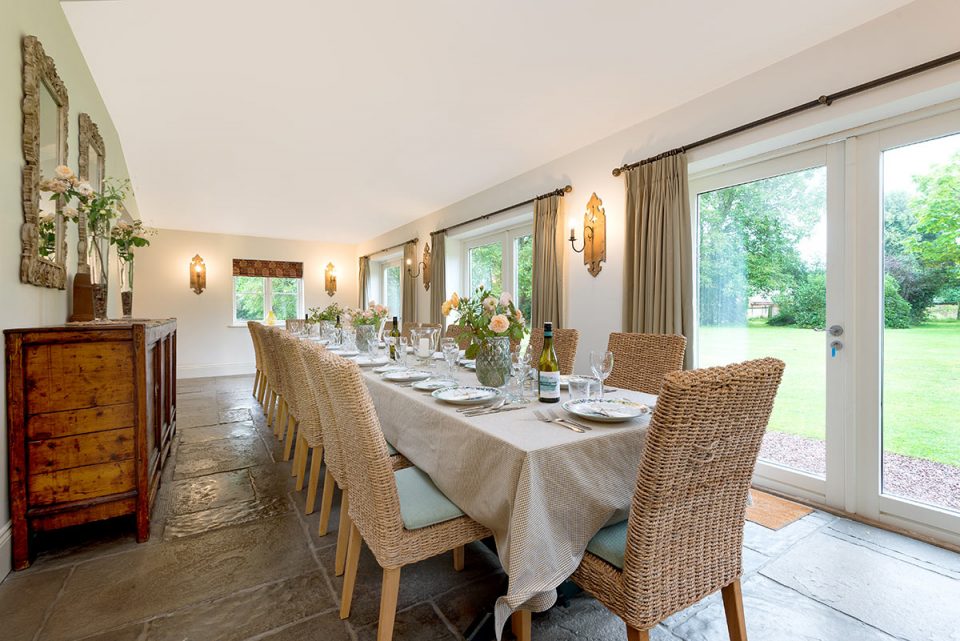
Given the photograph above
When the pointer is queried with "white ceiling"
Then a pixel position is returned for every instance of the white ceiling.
(341, 120)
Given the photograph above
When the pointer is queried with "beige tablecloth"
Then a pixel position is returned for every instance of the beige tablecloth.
(543, 490)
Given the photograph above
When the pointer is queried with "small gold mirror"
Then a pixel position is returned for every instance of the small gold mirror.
(43, 239)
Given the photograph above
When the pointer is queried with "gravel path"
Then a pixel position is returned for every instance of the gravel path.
(905, 476)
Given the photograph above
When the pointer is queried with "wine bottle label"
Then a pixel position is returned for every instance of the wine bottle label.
(549, 384)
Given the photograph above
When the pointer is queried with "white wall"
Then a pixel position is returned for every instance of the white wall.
(27, 305)
(206, 343)
(921, 31)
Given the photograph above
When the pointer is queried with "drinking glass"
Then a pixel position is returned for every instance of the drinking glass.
(602, 364)
(451, 351)
(402, 344)
(521, 361)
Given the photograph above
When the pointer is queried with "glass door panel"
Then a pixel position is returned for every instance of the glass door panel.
(763, 292)
(486, 267)
(921, 337)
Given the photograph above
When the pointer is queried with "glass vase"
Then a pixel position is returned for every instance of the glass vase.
(366, 338)
(98, 257)
(126, 286)
(493, 361)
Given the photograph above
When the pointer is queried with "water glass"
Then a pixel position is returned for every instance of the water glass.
(451, 351)
(602, 364)
(585, 387)
(402, 343)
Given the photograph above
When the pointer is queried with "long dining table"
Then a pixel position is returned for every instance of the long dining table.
(543, 490)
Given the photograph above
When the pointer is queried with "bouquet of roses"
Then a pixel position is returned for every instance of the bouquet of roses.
(484, 316)
(126, 236)
(372, 315)
(329, 313)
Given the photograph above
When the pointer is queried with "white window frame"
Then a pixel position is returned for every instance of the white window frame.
(267, 296)
(508, 266)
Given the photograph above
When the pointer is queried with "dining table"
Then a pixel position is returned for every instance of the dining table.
(543, 490)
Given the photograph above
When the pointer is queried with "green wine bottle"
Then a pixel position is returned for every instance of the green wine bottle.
(395, 335)
(549, 367)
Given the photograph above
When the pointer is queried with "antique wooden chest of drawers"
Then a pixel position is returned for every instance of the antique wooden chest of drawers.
(91, 412)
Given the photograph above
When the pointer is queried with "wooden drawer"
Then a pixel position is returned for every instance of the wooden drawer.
(54, 454)
(92, 419)
(78, 483)
(77, 375)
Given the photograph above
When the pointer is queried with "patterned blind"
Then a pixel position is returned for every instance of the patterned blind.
(267, 268)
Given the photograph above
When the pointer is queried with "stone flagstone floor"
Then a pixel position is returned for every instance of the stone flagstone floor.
(233, 556)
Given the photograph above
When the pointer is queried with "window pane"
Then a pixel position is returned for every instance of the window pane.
(523, 270)
(285, 306)
(486, 267)
(391, 289)
(921, 336)
(249, 307)
(284, 285)
(248, 284)
(762, 268)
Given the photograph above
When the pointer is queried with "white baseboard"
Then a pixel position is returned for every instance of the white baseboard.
(217, 369)
(6, 549)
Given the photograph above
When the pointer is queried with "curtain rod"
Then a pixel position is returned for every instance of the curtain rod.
(556, 192)
(386, 249)
(826, 101)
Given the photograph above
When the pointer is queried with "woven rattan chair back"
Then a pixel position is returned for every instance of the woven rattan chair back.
(255, 339)
(270, 337)
(304, 408)
(685, 530)
(454, 331)
(640, 361)
(317, 359)
(286, 358)
(565, 342)
(374, 502)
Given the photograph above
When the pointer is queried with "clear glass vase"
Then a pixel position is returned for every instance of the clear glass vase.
(98, 257)
(493, 361)
(126, 286)
(366, 338)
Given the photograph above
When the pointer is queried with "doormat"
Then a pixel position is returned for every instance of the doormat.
(773, 512)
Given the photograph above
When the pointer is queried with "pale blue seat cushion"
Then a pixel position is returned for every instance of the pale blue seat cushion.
(610, 544)
(421, 503)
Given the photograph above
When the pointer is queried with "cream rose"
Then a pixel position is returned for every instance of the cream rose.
(445, 308)
(489, 303)
(505, 299)
(64, 172)
(455, 301)
(499, 324)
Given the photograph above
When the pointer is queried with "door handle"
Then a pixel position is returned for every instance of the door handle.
(833, 330)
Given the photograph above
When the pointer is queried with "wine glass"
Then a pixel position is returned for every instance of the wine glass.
(451, 351)
(402, 344)
(521, 363)
(602, 364)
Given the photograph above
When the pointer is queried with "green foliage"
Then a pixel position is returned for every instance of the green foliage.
(328, 313)
(480, 315)
(897, 313)
(392, 277)
(524, 254)
(486, 267)
(806, 304)
(126, 236)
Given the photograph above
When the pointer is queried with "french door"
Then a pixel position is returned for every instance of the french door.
(843, 260)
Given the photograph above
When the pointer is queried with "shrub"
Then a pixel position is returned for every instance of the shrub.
(806, 305)
(897, 313)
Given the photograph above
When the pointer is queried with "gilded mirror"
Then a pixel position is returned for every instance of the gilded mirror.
(92, 168)
(43, 239)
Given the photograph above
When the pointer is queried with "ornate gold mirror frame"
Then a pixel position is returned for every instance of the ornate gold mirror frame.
(90, 138)
(39, 68)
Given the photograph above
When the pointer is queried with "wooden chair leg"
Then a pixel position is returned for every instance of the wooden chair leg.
(301, 461)
(271, 406)
(289, 437)
(326, 502)
(388, 603)
(353, 562)
(343, 537)
(520, 623)
(733, 608)
(256, 383)
(281, 417)
(458, 558)
(637, 635)
(317, 454)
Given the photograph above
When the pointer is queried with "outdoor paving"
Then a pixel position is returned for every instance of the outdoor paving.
(233, 557)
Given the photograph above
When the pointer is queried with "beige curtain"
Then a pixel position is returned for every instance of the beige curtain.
(658, 279)
(548, 256)
(438, 281)
(408, 286)
(362, 282)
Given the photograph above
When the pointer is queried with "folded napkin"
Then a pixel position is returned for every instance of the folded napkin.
(465, 395)
(609, 410)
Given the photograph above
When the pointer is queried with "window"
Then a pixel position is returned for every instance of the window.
(390, 284)
(501, 261)
(255, 296)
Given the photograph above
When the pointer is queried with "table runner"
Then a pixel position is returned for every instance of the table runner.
(543, 490)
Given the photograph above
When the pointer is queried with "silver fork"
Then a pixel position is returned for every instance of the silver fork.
(557, 421)
(557, 417)
(489, 406)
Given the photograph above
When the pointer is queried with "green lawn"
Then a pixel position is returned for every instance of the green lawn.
(921, 389)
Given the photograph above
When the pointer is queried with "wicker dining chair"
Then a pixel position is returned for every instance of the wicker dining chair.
(565, 343)
(275, 405)
(454, 331)
(683, 539)
(640, 361)
(401, 515)
(316, 361)
(258, 378)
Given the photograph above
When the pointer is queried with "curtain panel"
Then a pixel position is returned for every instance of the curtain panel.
(408, 286)
(267, 268)
(364, 276)
(658, 278)
(438, 282)
(548, 259)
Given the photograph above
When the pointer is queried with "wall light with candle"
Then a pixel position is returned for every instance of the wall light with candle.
(330, 279)
(422, 267)
(198, 275)
(594, 247)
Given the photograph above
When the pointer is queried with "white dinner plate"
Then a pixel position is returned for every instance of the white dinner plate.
(612, 410)
(348, 353)
(320, 341)
(469, 395)
(471, 365)
(389, 367)
(405, 375)
(366, 361)
(432, 384)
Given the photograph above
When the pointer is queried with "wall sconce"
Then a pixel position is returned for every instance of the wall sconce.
(330, 279)
(198, 275)
(594, 247)
(423, 266)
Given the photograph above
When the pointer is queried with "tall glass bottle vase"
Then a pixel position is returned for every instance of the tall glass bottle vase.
(98, 256)
(126, 285)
